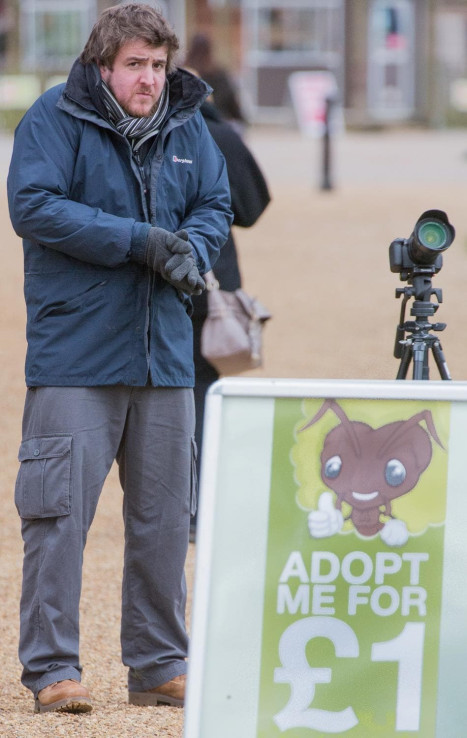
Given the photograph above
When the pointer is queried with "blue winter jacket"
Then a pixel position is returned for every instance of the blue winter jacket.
(82, 205)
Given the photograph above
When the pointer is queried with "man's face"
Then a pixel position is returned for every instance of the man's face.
(137, 77)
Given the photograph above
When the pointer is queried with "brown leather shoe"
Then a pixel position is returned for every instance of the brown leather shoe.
(65, 696)
(171, 693)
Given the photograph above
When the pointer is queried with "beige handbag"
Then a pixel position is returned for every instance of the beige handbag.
(232, 334)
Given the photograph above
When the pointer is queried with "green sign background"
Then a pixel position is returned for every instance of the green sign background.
(359, 682)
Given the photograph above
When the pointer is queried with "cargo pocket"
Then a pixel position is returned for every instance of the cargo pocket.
(43, 484)
(194, 479)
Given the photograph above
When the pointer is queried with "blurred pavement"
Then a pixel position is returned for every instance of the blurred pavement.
(390, 156)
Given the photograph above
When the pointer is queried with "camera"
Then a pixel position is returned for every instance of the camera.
(417, 259)
(431, 235)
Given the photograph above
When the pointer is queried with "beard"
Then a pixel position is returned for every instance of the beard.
(131, 111)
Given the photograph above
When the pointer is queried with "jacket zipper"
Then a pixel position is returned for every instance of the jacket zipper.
(137, 158)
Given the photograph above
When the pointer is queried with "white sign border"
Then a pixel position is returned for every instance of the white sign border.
(450, 688)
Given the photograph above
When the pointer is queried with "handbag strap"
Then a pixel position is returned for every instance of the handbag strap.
(210, 279)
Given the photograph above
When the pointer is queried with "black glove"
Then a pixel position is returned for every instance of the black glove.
(171, 255)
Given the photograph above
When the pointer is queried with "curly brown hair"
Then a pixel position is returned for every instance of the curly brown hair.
(122, 23)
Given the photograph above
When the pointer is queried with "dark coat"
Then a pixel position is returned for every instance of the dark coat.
(224, 94)
(77, 198)
(249, 196)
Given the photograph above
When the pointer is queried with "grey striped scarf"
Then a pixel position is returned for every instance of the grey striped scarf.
(137, 130)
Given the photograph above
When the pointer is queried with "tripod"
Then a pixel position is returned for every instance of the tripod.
(419, 341)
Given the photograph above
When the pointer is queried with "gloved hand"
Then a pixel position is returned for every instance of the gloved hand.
(170, 254)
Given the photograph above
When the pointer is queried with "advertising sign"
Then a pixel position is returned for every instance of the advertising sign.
(310, 93)
(329, 594)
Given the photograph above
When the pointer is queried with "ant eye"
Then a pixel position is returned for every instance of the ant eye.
(333, 467)
(395, 472)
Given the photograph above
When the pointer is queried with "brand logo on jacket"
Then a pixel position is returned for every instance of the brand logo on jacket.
(181, 161)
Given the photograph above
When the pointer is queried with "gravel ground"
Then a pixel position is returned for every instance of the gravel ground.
(319, 261)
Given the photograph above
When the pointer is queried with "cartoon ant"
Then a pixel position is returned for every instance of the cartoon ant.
(368, 468)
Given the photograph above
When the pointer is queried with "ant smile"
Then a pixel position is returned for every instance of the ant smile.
(365, 498)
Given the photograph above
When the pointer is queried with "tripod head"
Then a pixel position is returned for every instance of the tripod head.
(417, 259)
(420, 288)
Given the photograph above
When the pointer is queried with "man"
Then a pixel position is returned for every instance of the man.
(122, 200)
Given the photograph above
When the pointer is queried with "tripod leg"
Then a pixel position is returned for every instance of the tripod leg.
(420, 361)
(440, 360)
(405, 361)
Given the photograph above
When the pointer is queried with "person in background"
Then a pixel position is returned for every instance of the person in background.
(200, 58)
(249, 198)
(123, 202)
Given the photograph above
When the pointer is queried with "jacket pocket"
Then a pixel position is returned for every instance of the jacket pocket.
(75, 305)
(194, 479)
(43, 484)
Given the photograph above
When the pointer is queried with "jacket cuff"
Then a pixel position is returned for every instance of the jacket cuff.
(139, 238)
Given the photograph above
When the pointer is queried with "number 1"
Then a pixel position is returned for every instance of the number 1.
(407, 649)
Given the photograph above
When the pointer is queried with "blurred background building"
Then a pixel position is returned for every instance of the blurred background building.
(394, 61)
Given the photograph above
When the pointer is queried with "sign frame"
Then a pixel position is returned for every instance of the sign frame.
(225, 649)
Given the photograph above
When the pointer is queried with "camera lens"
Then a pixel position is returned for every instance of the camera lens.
(432, 235)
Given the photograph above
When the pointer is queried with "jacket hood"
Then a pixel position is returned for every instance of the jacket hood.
(82, 87)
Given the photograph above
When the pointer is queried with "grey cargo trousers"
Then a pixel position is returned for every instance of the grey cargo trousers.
(71, 436)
